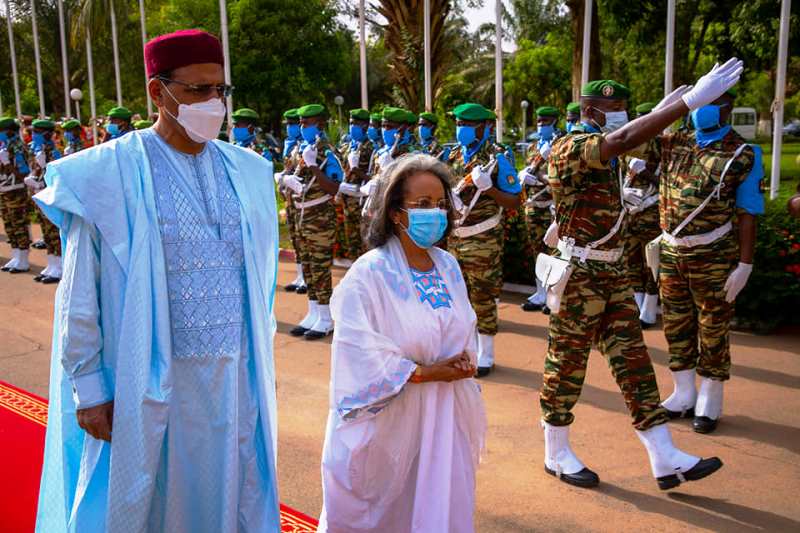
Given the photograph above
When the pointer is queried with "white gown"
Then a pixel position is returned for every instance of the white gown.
(400, 456)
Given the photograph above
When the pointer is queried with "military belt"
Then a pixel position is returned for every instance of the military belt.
(698, 240)
(585, 253)
(468, 231)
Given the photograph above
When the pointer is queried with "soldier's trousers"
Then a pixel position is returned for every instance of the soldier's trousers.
(15, 209)
(538, 220)
(316, 235)
(50, 234)
(598, 307)
(291, 223)
(352, 227)
(642, 228)
(696, 316)
(481, 261)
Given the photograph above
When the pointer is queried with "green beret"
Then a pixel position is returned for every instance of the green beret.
(244, 113)
(547, 111)
(70, 124)
(312, 110)
(120, 112)
(359, 114)
(430, 117)
(574, 107)
(472, 112)
(644, 108)
(8, 122)
(291, 114)
(142, 124)
(394, 114)
(606, 89)
(376, 117)
(44, 124)
(411, 117)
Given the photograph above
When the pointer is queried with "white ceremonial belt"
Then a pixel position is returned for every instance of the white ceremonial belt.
(646, 202)
(468, 231)
(606, 256)
(539, 203)
(14, 187)
(698, 240)
(312, 203)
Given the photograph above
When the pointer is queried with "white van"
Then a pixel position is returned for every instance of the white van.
(743, 120)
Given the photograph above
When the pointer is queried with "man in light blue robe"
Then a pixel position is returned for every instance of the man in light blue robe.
(162, 409)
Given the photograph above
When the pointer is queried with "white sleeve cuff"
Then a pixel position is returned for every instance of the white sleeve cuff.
(89, 390)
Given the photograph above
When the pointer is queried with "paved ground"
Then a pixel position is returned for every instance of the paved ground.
(759, 439)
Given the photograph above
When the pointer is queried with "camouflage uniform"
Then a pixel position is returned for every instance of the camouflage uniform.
(597, 304)
(50, 233)
(642, 227)
(480, 256)
(316, 229)
(291, 158)
(402, 149)
(435, 149)
(352, 205)
(695, 313)
(15, 204)
(538, 214)
(73, 146)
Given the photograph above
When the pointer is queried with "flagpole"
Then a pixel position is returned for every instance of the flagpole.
(36, 59)
(498, 67)
(670, 59)
(587, 38)
(427, 45)
(144, 41)
(115, 46)
(780, 95)
(13, 59)
(223, 20)
(362, 48)
(64, 65)
(92, 103)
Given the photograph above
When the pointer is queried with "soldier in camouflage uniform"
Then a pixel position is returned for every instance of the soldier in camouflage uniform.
(374, 130)
(705, 265)
(72, 136)
(14, 200)
(488, 185)
(428, 143)
(245, 132)
(142, 124)
(119, 123)
(43, 150)
(597, 305)
(291, 158)
(538, 199)
(317, 179)
(573, 115)
(356, 154)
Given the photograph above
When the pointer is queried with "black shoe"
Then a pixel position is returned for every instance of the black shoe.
(5, 268)
(704, 468)
(689, 413)
(646, 325)
(17, 270)
(302, 289)
(484, 371)
(39, 245)
(703, 424)
(298, 331)
(585, 478)
(546, 310)
(313, 335)
(49, 280)
(290, 287)
(38, 278)
(530, 306)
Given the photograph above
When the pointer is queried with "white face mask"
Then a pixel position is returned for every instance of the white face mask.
(614, 120)
(201, 121)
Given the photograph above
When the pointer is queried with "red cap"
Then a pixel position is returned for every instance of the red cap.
(181, 48)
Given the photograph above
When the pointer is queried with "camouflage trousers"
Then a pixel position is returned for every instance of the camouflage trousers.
(642, 228)
(316, 235)
(538, 220)
(696, 316)
(50, 234)
(15, 211)
(291, 224)
(352, 227)
(481, 261)
(598, 307)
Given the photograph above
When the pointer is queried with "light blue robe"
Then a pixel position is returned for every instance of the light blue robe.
(194, 437)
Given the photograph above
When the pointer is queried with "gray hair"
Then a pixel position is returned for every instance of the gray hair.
(389, 192)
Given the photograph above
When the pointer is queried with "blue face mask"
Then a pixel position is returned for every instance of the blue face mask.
(373, 134)
(113, 129)
(546, 132)
(242, 134)
(69, 136)
(309, 133)
(293, 131)
(426, 227)
(38, 140)
(706, 117)
(425, 133)
(406, 136)
(3, 137)
(465, 135)
(389, 136)
(356, 133)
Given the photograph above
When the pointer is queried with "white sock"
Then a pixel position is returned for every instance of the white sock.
(665, 458)
(311, 316)
(54, 265)
(485, 350)
(709, 399)
(648, 309)
(639, 297)
(22, 260)
(558, 456)
(298, 280)
(12, 263)
(684, 395)
(324, 321)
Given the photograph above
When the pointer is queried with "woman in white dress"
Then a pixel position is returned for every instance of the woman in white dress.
(407, 423)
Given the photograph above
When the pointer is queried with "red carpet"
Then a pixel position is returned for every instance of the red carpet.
(23, 418)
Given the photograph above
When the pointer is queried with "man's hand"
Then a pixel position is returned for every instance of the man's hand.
(369, 187)
(714, 84)
(736, 281)
(551, 235)
(452, 369)
(97, 421)
(527, 177)
(385, 159)
(544, 151)
(310, 155)
(481, 179)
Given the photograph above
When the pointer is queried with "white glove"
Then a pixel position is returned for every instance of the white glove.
(293, 183)
(736, 281)
(278, 177)
(458, 204)
(551, 236)
(545, 151)
(310, 155)
(481, 179)
(637, 165)
(353, 159)
(349, 189)
(674, 96)
(4, 160)
(385, 159)
(34, 183)
(714, 84)
(632, 196)
(527, 177)
(368, 187)
(41, 159)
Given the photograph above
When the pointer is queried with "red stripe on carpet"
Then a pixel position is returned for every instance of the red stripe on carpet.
(23, 418)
